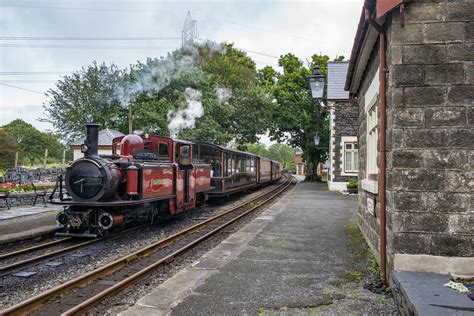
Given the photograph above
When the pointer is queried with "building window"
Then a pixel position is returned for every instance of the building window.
(372, 138)
(351, 157)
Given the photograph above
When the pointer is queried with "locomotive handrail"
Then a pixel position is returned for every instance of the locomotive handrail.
(58, 185)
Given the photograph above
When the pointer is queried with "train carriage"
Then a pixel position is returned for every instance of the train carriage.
(231, 170)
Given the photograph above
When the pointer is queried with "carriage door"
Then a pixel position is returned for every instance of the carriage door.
(184, 185)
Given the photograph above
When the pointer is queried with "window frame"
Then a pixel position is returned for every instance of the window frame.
(354, 153)
(371, 98)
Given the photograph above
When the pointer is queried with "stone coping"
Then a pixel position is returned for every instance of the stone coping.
(424, 293)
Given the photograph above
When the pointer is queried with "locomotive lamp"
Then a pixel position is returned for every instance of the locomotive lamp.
(316, 85)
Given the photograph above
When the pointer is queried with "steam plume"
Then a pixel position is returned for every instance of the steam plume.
(186, 117)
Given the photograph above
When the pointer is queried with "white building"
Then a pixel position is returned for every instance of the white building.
(106, 137)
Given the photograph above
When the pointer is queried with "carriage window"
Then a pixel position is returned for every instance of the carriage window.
(228, 169)
(163, 149)
(237, 163)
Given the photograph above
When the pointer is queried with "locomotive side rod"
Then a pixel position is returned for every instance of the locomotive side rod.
(36, 302)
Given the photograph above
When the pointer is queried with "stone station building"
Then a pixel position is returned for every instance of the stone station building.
(343, 146)
(411, 72)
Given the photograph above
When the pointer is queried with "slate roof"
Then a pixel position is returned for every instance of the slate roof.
(106, 137)
(337, 72)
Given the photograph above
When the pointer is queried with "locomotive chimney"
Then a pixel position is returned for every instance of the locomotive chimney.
(90, 146)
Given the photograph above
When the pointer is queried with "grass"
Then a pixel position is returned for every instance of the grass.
(358, 267)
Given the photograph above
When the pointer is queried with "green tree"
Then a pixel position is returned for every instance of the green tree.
(282, 153)
(86, 95)
(246, 111)
(295, 118)
(9, 150)
(235, 106)
(257, 149)
(33, 143)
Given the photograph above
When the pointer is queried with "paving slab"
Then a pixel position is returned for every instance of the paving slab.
(288, 257)
(26, 211)
(27, 222)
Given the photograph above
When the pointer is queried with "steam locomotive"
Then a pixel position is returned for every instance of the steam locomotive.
(149, 177)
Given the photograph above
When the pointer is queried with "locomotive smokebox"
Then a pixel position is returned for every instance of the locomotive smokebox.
(91, 144)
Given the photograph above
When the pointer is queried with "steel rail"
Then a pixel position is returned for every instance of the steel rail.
(32, 248)
(35, 302)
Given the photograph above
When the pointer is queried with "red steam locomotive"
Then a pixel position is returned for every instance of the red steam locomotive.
(149, 177)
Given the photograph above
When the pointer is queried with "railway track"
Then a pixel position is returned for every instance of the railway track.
(88, 290)
(23, 251)
(48, 252)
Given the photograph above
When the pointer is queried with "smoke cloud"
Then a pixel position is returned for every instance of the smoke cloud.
(186, 117)
(154, 75)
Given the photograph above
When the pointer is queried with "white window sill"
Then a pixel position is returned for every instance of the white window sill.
(370, 186)
(349, 173)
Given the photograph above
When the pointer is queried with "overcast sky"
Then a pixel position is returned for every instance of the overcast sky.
(265, 29)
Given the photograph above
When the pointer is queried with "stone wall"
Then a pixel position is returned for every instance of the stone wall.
(345, 124)
(430, 118)
(22, 199)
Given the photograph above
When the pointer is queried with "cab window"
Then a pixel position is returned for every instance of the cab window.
(163, 149)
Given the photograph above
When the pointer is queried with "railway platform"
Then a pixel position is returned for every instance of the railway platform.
(24, 222)
(295, 257)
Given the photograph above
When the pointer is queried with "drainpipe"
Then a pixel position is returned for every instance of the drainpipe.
(383, 144)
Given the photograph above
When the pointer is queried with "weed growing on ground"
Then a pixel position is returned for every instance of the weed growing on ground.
(373, 267)
(363, 263)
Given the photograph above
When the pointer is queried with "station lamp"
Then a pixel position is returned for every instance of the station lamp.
(316, 85)
(317, 140)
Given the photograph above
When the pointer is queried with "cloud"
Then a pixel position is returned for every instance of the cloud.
(299, 27)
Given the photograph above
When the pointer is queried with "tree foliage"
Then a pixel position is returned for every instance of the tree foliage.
(295, 118)
(9, 150)
(236, 106)
(278, 152)
(33, 143)
(86, 95)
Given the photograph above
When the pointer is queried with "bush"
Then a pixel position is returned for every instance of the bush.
(353, 183)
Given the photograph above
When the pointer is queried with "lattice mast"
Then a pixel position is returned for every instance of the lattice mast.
(189, 33)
